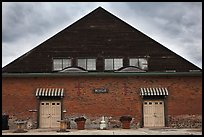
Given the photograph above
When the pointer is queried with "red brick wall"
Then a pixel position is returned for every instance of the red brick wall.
(185, 95)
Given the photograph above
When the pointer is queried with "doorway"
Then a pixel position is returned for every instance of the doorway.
(153, 113)
(50, 113)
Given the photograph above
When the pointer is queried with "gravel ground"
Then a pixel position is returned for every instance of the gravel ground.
(139, 131)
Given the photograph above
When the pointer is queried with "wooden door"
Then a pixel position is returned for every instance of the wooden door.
(50, 113)
(153, 112)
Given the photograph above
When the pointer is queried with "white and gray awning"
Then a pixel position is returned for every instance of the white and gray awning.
(49, 92)
(153, 92)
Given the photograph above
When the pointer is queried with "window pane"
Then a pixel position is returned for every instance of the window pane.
(57, 64)
(91, 64)
(82, 63)
(108, 64)
(66, 63)
(118, 63)
(143, 63)
(134, 62)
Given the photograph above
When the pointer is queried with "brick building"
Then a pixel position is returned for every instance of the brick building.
(101, 66)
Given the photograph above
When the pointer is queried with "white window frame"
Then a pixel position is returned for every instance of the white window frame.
(142, 65)
(139, 63)
(80, 65)
(87, 64)
(114, 66)
(134, 62)
(62, 63)
(106, 66)
(91, 65)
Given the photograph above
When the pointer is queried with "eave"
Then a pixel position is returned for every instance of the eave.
(112, 74)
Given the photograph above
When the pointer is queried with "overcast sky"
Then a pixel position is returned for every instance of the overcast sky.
(177, 26)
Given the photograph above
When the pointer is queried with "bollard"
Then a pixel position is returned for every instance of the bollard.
(103, 123)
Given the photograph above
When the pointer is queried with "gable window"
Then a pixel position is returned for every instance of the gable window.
(91, 64)
(139, 62)
(60, 64)
(81, 63)
(108, 64)
(113, 64)
(88, 64)
(134, 62)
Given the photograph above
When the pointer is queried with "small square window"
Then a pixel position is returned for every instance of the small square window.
(60, 64)
(88, 64)
(57, 64)
(143, 63)
(81, 63)
(66, 63)
(91, 64)
(108, 64)
(134, 62)
(113, 64)
(139, 62)
(118, 63)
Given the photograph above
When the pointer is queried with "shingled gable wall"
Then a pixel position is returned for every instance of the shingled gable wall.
(98, 35)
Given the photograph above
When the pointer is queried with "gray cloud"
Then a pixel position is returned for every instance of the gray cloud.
(31, 18)
(178, 26)
(26, 25)
(37, 18)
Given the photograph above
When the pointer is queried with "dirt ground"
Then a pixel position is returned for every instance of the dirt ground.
(139, 131)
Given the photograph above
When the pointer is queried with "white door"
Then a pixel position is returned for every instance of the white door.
(153, 113)
(50, 113)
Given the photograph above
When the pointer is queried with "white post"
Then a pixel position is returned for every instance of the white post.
(103, 119)
(103, 123)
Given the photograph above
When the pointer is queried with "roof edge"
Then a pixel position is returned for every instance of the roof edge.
(102, 74)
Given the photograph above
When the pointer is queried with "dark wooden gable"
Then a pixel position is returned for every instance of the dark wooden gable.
(99, 34)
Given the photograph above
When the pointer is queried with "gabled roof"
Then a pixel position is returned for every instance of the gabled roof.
(99, 34)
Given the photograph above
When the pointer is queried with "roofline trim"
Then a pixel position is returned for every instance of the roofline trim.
(102, 74)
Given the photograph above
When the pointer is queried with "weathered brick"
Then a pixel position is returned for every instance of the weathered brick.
(185, 95)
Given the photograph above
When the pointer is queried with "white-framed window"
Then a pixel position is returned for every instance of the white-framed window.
(143, 63)
(60, 64)
(113, 63)
(88, 64)
(134, 62)
(91, 64)
(81, 63)
(118, 63)
(108, 64)
(139, 62)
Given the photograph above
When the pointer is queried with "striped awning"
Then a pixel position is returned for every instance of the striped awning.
(153, 91)
(52, 92)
